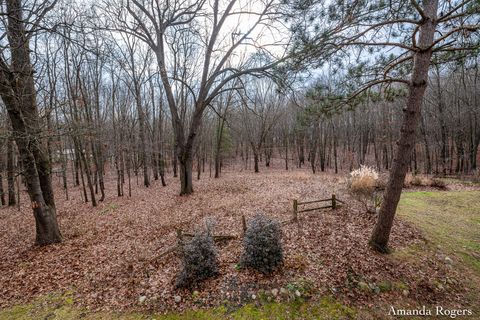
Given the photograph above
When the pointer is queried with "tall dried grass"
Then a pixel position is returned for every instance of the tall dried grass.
(362, 184)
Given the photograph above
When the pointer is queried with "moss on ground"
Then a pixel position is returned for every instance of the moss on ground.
(61, 306)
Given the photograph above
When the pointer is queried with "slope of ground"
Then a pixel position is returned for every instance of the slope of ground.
(450, 219)
(451, 223)
(109, 257)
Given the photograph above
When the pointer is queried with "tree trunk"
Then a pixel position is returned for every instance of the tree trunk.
(98, 159)
(322, 150)
(101, 170)
(218, 146)
(175, 164)
(143, 142)
(47, 230)
(301, 151)
(335, 152)
(199, 165)
(286, 152)
(256, 160)
(312, 155)
(64, 170)
(161, 168)
(17, 90)
(428, 163)
(412, 113)
(186, 169)
(268, 152)
(2, 190)
(473, 152)
(217, 165)
(10, 173)
(129, 175)
(88, 172)
(76, 164)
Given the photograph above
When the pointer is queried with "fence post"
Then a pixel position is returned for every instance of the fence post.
(334, 202)
(244, 224)
(295, 210)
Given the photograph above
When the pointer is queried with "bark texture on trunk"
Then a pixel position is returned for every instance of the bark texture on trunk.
(186, 169)
(2, 193)
(17, 90)
(255, 161)
(10, 174)
(412, 113)
(143, 142)
(218, 146)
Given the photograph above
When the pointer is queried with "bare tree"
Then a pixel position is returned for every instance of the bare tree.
(261, 108)
(18, 94)
(199, 48)
(135, 60)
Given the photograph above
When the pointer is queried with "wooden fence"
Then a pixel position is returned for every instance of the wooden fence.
(334, 204)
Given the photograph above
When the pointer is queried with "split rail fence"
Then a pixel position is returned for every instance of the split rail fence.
(332, 203)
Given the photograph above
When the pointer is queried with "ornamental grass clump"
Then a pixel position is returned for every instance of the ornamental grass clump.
(199, 259)
(262, 245)
(362, 184)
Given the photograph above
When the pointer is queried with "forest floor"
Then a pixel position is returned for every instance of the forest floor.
(108, 265)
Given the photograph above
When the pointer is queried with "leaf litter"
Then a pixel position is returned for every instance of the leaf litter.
(109, 254)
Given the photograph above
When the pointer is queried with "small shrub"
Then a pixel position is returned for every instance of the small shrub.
(416, 181)
(199, 257)
(438, 183)
(262, 246)
(408, 181)
(427, 181)
(385, 286)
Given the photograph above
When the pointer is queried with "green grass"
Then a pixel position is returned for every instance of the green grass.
(61, 306)
(451, 222)
(449, 219)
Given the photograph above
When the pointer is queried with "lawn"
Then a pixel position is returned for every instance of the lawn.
(451, 220)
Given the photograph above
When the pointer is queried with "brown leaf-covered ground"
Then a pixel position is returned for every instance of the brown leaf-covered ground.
(109, 255)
